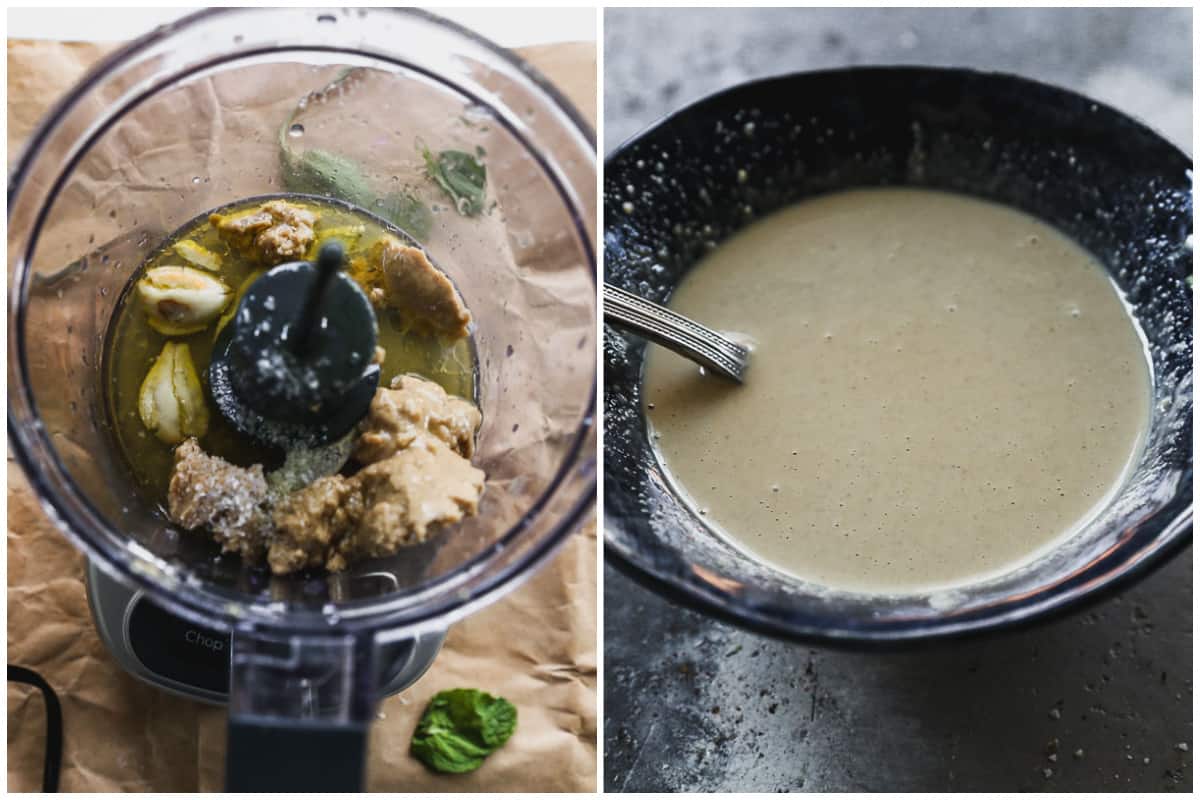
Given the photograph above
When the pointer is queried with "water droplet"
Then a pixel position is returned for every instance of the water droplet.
(196, 179)
(327, 18)
(296, 131)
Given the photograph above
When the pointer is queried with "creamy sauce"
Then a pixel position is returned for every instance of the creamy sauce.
(942, 389)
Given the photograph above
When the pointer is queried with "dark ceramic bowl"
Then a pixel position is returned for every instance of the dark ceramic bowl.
(700, 175)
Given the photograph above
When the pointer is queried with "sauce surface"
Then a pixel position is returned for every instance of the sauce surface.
(942, 388)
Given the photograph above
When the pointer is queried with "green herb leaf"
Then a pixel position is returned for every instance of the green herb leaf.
(407, 213)
(460, 728)
(323, 173)
(462, 176)
(327, 174)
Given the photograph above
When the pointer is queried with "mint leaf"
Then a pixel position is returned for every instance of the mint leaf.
(499, 722)
(437, 745)
(462, 176)
(407, 213)
(460, 728)
(327, 174)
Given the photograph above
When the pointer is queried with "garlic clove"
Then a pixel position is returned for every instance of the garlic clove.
(171, 401)
(167, 329)
(189, 393)
(237, 298)
(156, 398)
(197, 255)
(181, 300)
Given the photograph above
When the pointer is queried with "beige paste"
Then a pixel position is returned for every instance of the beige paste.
(942, 389)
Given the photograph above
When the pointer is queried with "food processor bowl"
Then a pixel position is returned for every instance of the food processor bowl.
(678, 189)
(207, 111)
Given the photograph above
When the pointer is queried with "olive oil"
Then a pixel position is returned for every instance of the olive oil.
(132, 344)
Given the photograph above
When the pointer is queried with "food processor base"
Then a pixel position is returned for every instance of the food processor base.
(175, 654)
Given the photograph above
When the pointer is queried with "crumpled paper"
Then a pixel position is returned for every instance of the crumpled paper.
(537, 647)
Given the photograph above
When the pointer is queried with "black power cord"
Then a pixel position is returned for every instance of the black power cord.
(54, 737)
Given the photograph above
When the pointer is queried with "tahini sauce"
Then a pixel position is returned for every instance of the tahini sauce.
(942, 388)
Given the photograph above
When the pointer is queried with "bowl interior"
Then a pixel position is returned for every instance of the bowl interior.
(1118, 189)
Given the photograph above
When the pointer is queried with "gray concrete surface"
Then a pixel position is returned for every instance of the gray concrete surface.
(1098, 701)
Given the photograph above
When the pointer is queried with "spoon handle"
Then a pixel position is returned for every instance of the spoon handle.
(676, 332)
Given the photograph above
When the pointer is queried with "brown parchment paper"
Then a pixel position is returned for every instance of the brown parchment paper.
(536, 647)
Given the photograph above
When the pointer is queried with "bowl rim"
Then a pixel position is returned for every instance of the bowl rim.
(683, 588)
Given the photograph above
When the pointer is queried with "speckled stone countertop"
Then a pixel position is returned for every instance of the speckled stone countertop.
(1097, 701)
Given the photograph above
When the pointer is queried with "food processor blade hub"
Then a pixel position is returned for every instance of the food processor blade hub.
(296, 365)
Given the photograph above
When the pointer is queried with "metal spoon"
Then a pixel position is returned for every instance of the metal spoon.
(676, 332)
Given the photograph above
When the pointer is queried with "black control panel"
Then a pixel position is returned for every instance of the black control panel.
(179, 650)
(199, 657)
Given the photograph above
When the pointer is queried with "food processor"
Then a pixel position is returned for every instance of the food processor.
(194, 116)
(700, 175)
